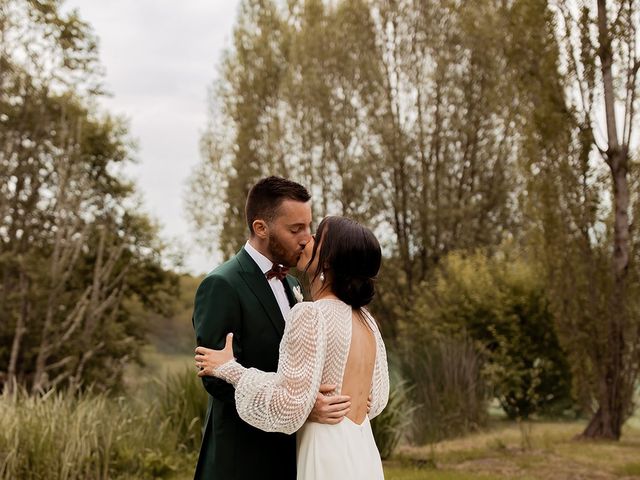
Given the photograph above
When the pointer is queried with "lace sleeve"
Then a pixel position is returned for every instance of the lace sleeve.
(380, 381)
(281, 401)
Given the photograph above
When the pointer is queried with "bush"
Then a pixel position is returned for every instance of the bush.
(500, 303)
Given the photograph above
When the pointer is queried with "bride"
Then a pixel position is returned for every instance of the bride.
(332, 340)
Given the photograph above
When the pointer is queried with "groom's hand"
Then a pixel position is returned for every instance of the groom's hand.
(329, 409)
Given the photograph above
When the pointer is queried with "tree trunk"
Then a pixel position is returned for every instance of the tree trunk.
(20, 330)
(615, 397)
(616, 386)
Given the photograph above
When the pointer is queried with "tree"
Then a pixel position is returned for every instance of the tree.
(72, 247)
(357, 101)
(605, 70)
(580, 193)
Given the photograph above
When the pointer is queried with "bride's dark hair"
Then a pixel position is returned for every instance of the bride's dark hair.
(350, 256)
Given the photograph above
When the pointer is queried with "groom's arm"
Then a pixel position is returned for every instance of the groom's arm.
(217, 312)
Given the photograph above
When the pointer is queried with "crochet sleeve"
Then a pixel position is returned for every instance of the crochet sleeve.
(380, 381)
(281, 401)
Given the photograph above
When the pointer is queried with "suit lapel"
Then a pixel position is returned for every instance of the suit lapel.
(257, 283)
(289, 283)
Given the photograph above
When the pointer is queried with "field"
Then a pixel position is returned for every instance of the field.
(507, 450)
(149, 432)
(533, 451)
(540, 451)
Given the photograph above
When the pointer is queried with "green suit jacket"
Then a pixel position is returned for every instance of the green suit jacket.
(236, 297)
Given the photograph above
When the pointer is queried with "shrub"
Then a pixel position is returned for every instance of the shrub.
(500, 303)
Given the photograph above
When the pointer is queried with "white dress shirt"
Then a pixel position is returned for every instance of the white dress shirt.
(276, 285)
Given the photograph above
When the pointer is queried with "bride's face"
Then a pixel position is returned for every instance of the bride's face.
(306, 255)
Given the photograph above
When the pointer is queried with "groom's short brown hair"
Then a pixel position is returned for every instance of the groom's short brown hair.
(266, 196)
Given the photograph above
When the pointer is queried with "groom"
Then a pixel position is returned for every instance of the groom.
(251, 295)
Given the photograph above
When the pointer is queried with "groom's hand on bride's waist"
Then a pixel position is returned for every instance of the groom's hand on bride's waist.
(329, 409)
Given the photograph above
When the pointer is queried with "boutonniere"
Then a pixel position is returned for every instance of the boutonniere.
(298, 293)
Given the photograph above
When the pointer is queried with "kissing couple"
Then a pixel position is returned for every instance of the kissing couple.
(292, 384)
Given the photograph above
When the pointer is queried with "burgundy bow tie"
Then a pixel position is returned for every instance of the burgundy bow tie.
(277, 271)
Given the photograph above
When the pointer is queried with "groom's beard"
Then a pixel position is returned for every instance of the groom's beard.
(280, 254)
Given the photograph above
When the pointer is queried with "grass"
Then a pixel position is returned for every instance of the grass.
(75, 437)
(504, 451)
(498, 454)
(153, 433)
(548, 452)
(409, 473)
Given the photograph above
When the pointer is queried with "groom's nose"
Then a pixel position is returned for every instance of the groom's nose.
(306, 238)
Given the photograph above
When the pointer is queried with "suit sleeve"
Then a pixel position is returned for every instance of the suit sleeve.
(216, 313)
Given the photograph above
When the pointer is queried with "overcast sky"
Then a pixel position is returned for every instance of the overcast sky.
(160, 57)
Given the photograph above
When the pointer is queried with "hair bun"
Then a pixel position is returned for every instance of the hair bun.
(351, 254)
(356, 291)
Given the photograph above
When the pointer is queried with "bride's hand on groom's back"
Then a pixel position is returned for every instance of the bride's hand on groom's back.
(329, 409)
(208, 359)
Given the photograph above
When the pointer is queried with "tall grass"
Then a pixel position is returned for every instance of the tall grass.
(65, 436)
(448, 388)
(182, 400)
(390, 426)
(58, 436)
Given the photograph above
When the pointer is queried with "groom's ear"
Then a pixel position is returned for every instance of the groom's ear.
(260, 229)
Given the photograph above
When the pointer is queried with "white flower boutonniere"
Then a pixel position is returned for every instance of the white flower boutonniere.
(298, 293)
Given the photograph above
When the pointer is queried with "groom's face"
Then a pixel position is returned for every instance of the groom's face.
(289, 232)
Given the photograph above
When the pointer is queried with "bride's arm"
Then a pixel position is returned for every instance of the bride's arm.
(281, 401)
(380, 381)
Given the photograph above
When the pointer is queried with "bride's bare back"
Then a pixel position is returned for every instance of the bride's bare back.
(358, 372)
(325, 342)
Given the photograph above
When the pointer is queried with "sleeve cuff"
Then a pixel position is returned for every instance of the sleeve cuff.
(230, 372)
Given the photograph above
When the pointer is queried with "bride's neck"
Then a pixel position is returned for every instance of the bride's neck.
(325, 295)
(319, 291)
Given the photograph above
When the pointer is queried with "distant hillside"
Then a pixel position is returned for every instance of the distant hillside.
(174, 334)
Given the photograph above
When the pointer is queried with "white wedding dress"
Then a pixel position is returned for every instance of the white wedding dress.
(314, 351)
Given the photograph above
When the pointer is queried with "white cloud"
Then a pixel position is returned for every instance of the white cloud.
(160, 57)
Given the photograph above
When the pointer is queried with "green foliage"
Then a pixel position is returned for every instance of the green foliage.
(391, 425)
(183, 401)
(357, 101)
(70, 436)
(67, 436)
(501, 304)
(580, 190)
(172, 332)
(73, 245)
(447, 387)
